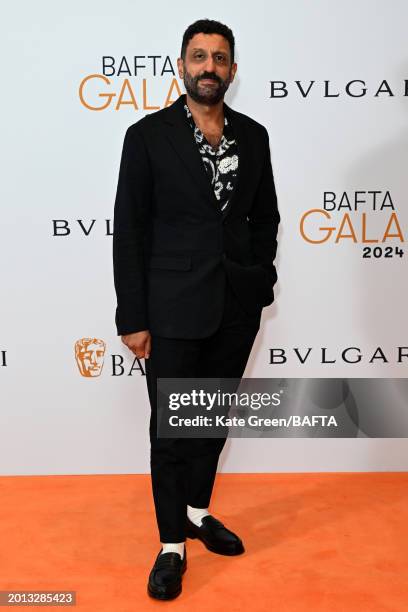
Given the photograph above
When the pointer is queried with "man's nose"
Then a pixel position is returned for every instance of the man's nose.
(210, 64)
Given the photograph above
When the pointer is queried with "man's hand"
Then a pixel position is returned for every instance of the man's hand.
(139, 343)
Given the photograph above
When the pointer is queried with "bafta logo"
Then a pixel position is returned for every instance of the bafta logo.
(89, 355)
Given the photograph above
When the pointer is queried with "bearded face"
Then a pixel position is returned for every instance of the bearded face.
(207, 70)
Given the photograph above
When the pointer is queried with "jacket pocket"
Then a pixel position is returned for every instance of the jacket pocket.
(165, 262)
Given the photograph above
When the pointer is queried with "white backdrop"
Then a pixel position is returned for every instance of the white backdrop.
(346, 132)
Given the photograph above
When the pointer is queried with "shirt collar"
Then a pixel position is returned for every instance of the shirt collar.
(191, 119)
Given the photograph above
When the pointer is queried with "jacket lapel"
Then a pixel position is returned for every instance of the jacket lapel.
(181, 138)
(242, 137)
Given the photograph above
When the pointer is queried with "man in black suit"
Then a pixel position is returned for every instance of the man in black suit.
(194, 240)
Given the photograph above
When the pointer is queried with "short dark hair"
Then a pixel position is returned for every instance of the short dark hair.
(207, 26)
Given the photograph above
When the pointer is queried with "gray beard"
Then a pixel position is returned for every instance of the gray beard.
(212, 98)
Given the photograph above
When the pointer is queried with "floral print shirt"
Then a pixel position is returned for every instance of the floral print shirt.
(221, 164)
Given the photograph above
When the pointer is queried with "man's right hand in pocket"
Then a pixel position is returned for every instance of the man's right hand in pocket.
(139, 343)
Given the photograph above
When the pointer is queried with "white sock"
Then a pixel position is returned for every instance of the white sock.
(196, 514)
(177, 547)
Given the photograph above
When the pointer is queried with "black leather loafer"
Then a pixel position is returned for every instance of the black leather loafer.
(166, 576)
(215, 536)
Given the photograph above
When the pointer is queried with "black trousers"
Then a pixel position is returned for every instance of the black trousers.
(183, 469)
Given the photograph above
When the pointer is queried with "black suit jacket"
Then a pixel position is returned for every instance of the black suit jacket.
(171, 244)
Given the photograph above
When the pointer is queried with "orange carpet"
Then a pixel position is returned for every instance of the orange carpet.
(319, 542)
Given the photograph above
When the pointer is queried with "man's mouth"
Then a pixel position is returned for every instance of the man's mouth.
(208, 81)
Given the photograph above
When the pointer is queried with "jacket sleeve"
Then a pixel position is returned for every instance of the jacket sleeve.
(131, 211)
(264, 216)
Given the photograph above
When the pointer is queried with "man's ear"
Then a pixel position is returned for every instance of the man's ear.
(233, 70)
(180, 66)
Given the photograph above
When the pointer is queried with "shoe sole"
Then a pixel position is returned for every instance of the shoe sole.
(228, 553)
(164, 596)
